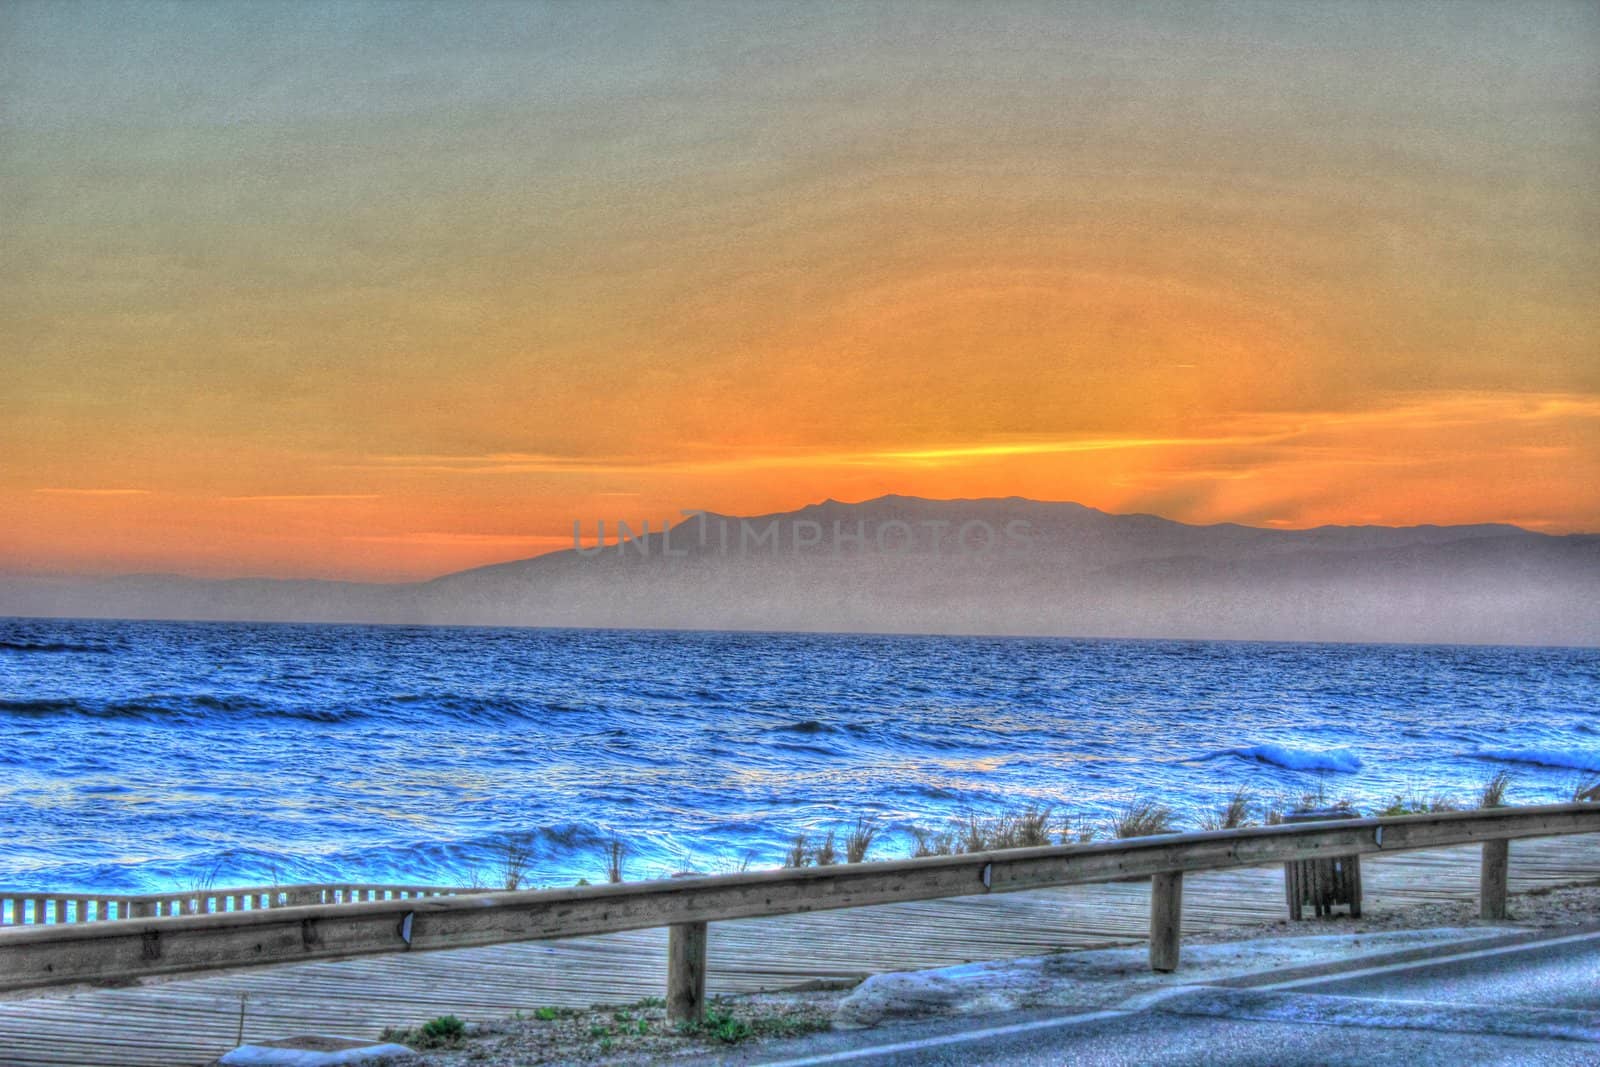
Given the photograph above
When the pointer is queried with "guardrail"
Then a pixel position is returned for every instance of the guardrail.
(117, 951)
(47, 909)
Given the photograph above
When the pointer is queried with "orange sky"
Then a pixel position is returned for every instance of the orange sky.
(382, 292)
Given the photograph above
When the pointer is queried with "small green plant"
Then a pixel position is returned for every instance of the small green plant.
(549, 1013)
(731, 1031)
(442, 1032)
(718, 1025)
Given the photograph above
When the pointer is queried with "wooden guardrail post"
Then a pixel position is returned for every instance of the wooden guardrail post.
(1166, 919)
(686, 972)
(1492, 879)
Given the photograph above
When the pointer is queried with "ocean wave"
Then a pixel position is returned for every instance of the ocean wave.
(1340, 760)
(485, 859)
(49, 646)
(805, 726)
(39, 707)
(169, 708)
(810, 750)
(1568, 758)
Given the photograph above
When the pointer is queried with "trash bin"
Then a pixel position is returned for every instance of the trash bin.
(1323, 883)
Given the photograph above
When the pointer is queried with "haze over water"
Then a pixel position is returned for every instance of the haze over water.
(144, 756)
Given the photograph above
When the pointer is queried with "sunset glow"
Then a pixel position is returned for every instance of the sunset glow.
(381, 292)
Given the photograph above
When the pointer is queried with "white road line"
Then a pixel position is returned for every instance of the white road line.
(948, 1039)
(1392, 968)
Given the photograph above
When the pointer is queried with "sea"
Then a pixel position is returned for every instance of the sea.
(153, 756)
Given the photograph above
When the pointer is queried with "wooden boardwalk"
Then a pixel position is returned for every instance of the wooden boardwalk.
(193, 1020)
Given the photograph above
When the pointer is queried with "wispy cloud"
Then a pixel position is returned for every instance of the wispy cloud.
(530, 463)
(452, 539)
(55, 491)
(1040, 448)
(1353, 432)
(280, 497)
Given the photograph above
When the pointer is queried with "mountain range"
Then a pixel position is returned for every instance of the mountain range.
(911, 565)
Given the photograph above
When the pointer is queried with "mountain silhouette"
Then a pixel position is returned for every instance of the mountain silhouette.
(995, 566)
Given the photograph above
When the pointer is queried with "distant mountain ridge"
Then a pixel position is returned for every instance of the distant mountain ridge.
(999, 565)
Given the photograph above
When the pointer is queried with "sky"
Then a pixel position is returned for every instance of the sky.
(382, 291)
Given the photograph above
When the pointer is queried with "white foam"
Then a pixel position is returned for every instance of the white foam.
(1298, 759)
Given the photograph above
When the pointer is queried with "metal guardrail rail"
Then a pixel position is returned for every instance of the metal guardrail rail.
(119, 951)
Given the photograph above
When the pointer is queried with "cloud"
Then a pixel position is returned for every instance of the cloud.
(279, 497)
(448, 538)
(1354, 435)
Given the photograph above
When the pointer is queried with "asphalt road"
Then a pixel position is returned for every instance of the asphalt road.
(1535, 1003)
(1543, 975)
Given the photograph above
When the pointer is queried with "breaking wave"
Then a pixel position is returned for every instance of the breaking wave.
(1573, 759)
(1340, 760)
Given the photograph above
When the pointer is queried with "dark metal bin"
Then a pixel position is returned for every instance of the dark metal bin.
(1323, 883)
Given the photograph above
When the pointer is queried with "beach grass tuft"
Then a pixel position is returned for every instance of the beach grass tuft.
(1493, 793)
(511, 862)
(615, 851)
(1026, 827)
(798, 855)
(1234, 813)
(825, 854)
(1143, 817)
(1414, 802)
(860, 839)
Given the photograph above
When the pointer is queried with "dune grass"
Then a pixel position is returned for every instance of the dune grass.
(1493, 793)
(860, 839)
(799, 853)
(1030, 826)
(1234, 813)
(615, 851)
(1143, 817)
(1035, 824)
